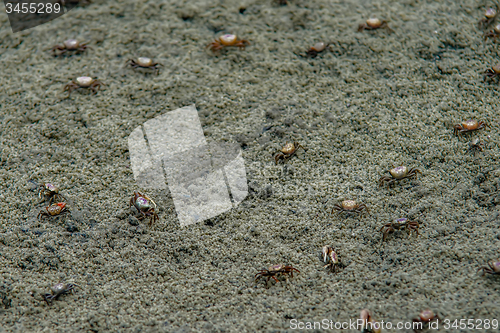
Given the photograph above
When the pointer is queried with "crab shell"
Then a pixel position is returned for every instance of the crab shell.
(288, 148)
(490, 13)
(84, 81)
(399, 172)
(319, 47)
(471, 124)
(373, 23)
(71, 44)
(143, 204)
(56, 208)
(495, 266)
(426, 315)
(144, 62)
(51, 188)
(349, 205)
(228, 40)
(59, 288)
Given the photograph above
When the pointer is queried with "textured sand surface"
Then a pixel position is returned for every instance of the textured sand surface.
(374, 100)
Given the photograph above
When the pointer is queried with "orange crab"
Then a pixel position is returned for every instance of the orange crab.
(227, 40)
(469, 126)
(53, 210)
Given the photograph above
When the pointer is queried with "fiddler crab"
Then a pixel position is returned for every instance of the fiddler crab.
(227, 40)
(70, 45)
(489, 16)
(274, 271)
(425, 317)
(494, 268)
(331, 258)
(316, 49)
(349, 207)
(475, 146)
(402, 223)
(58, 290)
(145, 206)
(288, 150)
(53, 210)
(143, 62)
(373, 24)
(49, 191)
(492, 72)
(370, 325)
(495, 33)
(469, 126)
(398, 173)
(85, 82)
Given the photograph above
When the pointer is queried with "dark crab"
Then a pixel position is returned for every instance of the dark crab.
(402, 223)
(331, 258)
(145, 206)
(53, 210)
(494, 268)
(58, 290)
(475, 146)
(492, 72)
(274, 271)
(288, 150)
(489, 16)
(48, 191)
(398, 173)
(495, 33)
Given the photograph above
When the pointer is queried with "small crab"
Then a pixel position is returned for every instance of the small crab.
(373, 24)
(83, 82)
(53, 210)
(369, 325)
(398, 173)
(144, 205)
(143, 62)
(349, 207)
(494, 268)
(331, 258)
(495, 33)
(469, 126)
(274, 271)
(425, 317)
(401, 223)
(492, 72)
(288, 150)
(489, 16)
(475, 146)
(70, 45)
(227, 40)
(316, 49)
(58, 290)
(48, 191)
